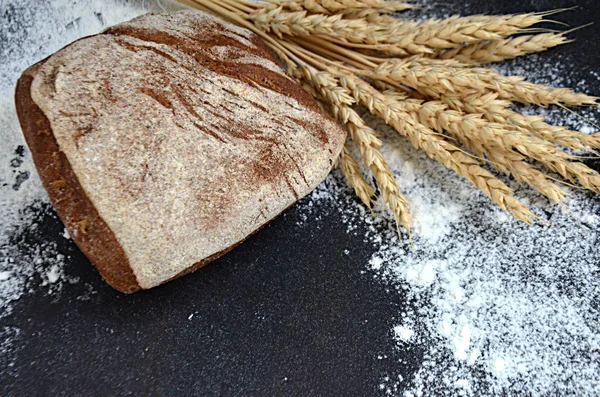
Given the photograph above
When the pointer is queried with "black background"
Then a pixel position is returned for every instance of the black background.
(285, 313)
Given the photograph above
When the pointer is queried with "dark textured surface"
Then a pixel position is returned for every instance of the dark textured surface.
(286, 313)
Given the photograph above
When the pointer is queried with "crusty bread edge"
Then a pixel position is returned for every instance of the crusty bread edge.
(85, 226)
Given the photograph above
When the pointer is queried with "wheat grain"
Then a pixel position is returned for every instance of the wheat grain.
(538, 149)
(514, 164)
(394, 113)
(436, 115)
(574, 171)
(473, 126)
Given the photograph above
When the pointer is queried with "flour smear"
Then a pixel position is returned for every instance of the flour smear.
(502, 307)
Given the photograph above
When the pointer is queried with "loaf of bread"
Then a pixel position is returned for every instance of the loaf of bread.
(167, 140)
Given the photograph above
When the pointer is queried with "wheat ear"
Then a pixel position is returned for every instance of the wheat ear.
(369, 146)
(498, 111)
(393, 36)
(500, 157)
(499, 50)
(488, 138)
(341, 6)
(300, 23)
(438, 79)
(402, 36)
(517, 166)
(455, 31)
(321, 85)
(351, 171)
(481, 136)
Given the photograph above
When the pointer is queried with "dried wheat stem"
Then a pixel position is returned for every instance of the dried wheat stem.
(211, 7)
(354, 177)
(331, 50)
(238, 6)
(471, 104)
(499, 50)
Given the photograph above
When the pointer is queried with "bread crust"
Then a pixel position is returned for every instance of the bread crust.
(91, 234)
